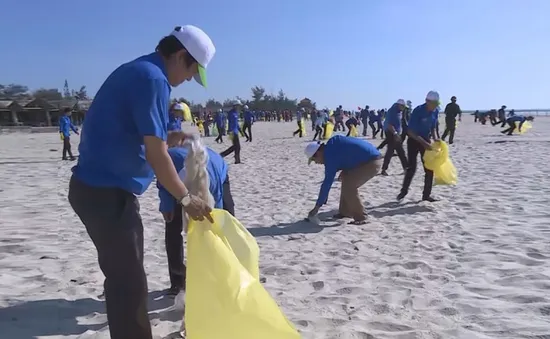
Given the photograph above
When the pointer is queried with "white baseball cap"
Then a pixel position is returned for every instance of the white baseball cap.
(432, 96)
(237, 103)
(401, 102)
(245, 107)
(311, 149)
(199, 45)
(178, 107)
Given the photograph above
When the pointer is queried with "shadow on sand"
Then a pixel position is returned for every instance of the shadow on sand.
(58, 317)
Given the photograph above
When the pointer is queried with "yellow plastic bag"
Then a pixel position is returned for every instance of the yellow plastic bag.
(61, 136)
(303, 127)
(353, 131)
(224, 297)
(328, 130)
(526, 126)
(186, 112)
(440, 163)
(200, 126)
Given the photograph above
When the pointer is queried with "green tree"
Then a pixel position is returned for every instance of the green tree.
(48, 94)
(66, 91)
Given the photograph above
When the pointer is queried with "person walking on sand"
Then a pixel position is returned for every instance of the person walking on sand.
(299, 116)
(234, 130)
(359, 162)
(218, 119)
(421, 126)
(452, 111)
(392, 126)
(248, 121)
(119, 160)
(172, 212)
(365, 119)
(65, 127)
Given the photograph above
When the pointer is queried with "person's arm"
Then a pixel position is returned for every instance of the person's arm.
(413, 123)
(330, 174)
(75, 130)
(521, 125)
(150, 115)
(459, 113)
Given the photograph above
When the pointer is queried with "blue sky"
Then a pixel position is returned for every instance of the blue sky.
(349, 52)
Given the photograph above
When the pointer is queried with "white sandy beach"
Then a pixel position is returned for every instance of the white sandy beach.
(474, 265)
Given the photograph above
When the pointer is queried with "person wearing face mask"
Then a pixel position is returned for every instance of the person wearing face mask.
(420, 129)
(123, 147)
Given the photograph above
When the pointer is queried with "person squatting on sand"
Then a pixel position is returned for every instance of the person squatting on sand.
(512, 123)
(352, 121)
(119, 160)
(234, 130)
(392, 126)
(189, 162)
(452, 111)
(248, 122)
(65, 127)
(421, 127)
(359, 162)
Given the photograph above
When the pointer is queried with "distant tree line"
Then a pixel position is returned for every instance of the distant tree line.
(259, 100)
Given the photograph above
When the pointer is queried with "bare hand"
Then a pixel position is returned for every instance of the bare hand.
(198, 209)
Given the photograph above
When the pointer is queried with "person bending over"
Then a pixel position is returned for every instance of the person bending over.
(392, 125)
(512, 123)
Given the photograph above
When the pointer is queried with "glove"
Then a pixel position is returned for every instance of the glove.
(61, 136)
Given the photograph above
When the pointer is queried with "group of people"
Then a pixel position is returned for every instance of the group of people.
(500, 118)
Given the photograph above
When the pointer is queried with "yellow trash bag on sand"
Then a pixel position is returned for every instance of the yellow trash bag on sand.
(224, 297)
(526, 126)
(440, 163)
(353, 131)
(303, 127)
(328, 130)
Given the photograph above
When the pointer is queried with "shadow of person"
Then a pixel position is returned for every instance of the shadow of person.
(404, 210)
(303, 226)
(60, 317)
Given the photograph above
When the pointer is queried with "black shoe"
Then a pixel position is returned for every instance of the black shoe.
(430, 199)
(402, 195)
(173, 291)
(72, 158)
(65, 159)
(384, 173)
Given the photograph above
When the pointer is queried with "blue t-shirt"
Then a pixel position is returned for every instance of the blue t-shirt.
(233, 121)
(393, 117)
(131, 104)
(174, 123)
(248, 117)
(518, 118)
(373, 117)
(65, 126)
(217, 173)
(342, 153)
(422, 121)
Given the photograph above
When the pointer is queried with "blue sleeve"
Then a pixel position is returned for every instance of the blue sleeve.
(150, 98)
(330, 173)
(61, 125)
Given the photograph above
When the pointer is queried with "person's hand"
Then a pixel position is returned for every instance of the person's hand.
(176, 138)
(168, 216)
(428, 146)
(198, 209)
(313, 212)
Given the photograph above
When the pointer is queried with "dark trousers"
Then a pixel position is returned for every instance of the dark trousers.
(404, 131)
(299, 130)
(449, 130)
(349, 129)
(510, 129)
(235, 147)
(339, 124)
(414, 148)
(219, 139)
(67, 148)
(173, 239)
(111, 217)
(394, 145)
(318, 132)
(380, 129)
(365, 124)
(373, 127)
(247, 127)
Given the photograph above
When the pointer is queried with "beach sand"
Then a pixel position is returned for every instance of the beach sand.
(474, 265)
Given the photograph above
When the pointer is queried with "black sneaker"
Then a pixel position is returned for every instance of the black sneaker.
(173, 291)
(384, 173)
(402, 195)
(430, 199)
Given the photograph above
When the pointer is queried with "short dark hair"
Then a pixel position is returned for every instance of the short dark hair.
(169, 45)
(67, 110)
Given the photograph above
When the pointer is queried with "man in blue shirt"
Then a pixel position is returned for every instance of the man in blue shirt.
(233, 130)
(248, 121)
(65, 127)
(359, 162)
(218, 120)
(299, 117)
(122, 148)
(392, 126)
(175, 117)
(516, 119)
(421, 126)
(172, 212)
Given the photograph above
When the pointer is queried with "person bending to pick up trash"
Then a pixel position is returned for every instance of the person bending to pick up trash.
(512, 123)
(172, 212)
(421, 125)
(359, 162)
(122, 148)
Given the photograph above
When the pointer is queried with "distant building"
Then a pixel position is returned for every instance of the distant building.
(39, 112)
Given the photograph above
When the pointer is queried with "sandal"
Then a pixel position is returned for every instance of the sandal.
(358, 222)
